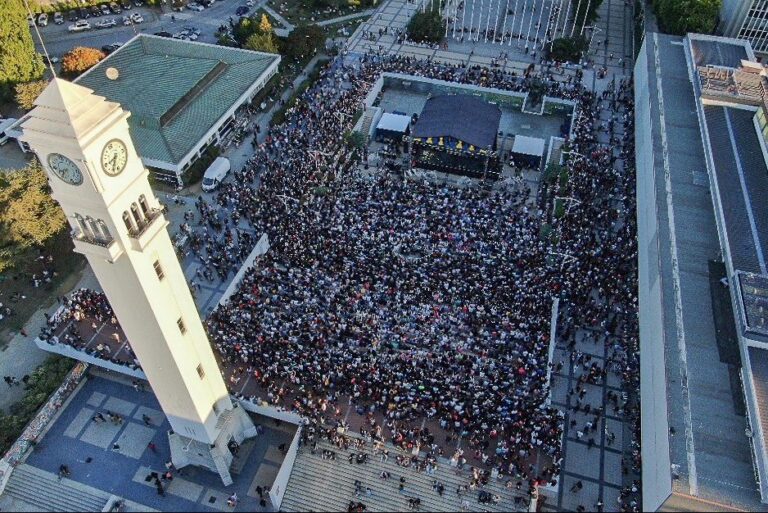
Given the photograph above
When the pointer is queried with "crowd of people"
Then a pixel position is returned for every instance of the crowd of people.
(423, 303)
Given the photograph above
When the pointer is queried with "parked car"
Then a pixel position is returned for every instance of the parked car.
(127, 5)
(83, 13)
(205, 3)
(80, 26)
(164, 34)
(106, 23)
(137, 17)
(242, 10)
(95, 11)
(193, 30)
(31, 20)
(73, 15)
(194, 6)
(42, 20)
(107, 49)
(51, 60)
(138, 3)
(181, 35)
(127, 20)
(115, 8)
(105, 9)
(58, 18)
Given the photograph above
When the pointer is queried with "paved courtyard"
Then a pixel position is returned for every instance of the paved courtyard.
(116, 458)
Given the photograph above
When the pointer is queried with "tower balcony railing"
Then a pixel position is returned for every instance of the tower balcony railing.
(90, 244)
(104, 242)
(149, 218)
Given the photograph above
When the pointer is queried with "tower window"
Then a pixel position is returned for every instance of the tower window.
(159, 270)
(200, 371)
(181, 325)
(144, 206)
(127, 220)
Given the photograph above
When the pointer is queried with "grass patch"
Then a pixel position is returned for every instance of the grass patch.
(18, 281)
(42, 383)
(303, 11)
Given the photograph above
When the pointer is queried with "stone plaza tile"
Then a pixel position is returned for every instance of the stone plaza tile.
(79, 422)
(186, 489)
(215, 499)
(586, 497)
(157, 417)
(96, 399)
(120, 406)
(101, 434)
(266, 473)
(134, 439)
(612, 472)
(581, 460)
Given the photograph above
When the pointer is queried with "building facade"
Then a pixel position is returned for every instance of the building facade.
(746, 19)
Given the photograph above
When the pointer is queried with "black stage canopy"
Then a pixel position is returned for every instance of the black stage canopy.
(465, 118)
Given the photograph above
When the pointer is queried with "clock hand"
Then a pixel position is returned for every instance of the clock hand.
(114, 162)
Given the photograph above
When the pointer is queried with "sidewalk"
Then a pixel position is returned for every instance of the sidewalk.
(21, 356)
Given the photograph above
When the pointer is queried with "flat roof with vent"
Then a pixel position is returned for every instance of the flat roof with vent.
(175, 90)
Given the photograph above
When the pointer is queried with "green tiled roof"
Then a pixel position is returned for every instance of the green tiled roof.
(192, 84)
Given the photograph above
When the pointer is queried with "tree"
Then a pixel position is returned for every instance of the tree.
(427, 26)
(568, 49)
(19, 62)
(303, 41)
(27, 93)
(264, 25)
(28, 214)
(80, 59)
(683, 16)
(261, 42)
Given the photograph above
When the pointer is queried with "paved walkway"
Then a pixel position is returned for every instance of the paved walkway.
(342, 19)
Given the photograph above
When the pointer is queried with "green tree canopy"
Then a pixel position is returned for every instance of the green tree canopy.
(683, 16)
(427, 26)
(303, 40)
(568, 49)
(28, 214)
(27, 93)
(19, 62)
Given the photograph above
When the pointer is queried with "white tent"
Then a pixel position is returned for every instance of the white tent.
(394, 122)
(525, 145)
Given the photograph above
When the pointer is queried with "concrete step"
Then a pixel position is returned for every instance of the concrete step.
(328, 485)
(44, 490)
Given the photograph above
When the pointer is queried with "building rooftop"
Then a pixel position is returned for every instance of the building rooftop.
(720, 51)
(439, 119)
(695, 451)
(175, 90)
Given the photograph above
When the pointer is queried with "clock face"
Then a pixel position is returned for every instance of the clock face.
(65, 169)
(114, 157)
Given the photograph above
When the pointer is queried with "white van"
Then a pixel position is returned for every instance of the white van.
(5, 124)
(216, 173)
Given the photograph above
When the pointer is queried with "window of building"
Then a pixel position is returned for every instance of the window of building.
(158, 270)
(144, 206)
(104, 230)
(200, 371)
(81, 224)
(127, 220)
(136, 215)
(181, 325)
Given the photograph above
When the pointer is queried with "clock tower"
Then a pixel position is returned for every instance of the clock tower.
(84, 144)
